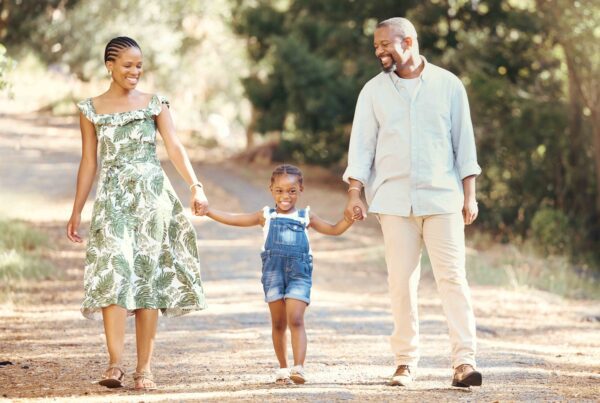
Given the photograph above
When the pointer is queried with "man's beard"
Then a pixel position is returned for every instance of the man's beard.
(391, 68)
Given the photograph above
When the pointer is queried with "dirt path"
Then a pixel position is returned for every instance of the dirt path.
(532, 345)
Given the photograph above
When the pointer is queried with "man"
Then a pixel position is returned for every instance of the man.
(412, 149)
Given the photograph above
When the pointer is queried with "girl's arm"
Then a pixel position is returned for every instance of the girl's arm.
(327, 228)
(179, 157)
(239, 220)
(85, 175)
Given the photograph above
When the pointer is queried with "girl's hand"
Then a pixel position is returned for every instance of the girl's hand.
(72, 228)
(199, 202)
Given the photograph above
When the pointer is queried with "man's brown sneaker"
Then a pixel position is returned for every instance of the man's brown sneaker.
(402, 376)
(465, 375)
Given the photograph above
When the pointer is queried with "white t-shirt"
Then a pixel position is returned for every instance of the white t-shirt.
(410, 84)
(294, 216)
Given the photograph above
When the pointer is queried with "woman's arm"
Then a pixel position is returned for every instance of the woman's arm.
(327, 228)
(85, 175)
(179, 157)
(239, 220)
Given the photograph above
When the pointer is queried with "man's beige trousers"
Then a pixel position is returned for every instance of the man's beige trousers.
(444, 238)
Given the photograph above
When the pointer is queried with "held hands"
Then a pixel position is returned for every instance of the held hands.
(72, 228)
(355, 209)
(470, 210)
(199, 202)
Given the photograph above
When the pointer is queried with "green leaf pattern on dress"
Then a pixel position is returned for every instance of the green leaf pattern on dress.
(142, 250)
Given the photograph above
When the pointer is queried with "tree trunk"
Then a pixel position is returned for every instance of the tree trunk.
(575, 175)
(596, 131)
(251, 127)
(589, 97)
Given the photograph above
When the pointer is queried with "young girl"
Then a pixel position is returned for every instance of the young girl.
(287, 263)
(142, 254)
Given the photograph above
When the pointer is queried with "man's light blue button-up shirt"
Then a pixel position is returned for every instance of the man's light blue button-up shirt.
(411, 153)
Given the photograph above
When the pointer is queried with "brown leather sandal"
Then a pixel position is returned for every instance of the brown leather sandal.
(110, 380)
(144, 377)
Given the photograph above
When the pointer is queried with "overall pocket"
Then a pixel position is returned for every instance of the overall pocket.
(288, 233)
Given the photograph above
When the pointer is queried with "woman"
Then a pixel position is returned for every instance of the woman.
(142, 254)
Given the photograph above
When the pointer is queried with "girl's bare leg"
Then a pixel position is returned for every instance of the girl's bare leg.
(279, 327)
(295, 319)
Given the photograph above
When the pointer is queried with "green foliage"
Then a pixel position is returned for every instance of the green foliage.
(18, 18)
(189, 50)
(313, 57)
(310, 61)
(550, 231)
(6, 65)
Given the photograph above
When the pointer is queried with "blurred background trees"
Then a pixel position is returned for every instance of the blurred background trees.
(289, 71)
(531, 71)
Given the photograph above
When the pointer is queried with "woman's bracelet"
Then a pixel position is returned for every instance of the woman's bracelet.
(199, 184)
(354, 188)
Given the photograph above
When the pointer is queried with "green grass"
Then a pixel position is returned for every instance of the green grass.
(521, 267)
(20, 253)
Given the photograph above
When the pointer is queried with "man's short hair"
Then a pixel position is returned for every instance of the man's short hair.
(401, 26)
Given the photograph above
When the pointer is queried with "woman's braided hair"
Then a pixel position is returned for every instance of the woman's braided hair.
(116, 45)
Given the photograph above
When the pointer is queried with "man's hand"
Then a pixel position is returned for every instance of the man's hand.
(355, 208)
(470, 210)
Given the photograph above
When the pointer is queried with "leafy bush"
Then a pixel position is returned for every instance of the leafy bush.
(550, 231)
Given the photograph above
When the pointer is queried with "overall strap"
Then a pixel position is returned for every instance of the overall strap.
(304, 216)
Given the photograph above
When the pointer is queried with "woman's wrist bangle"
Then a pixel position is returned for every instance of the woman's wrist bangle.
(354, 188)
(198, 184)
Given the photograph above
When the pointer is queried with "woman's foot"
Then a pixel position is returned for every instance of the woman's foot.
(143, 380)
(282, 376)
(297, 375)
(113, 377)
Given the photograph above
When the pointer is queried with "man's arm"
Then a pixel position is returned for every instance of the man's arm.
(361, 154)
(465, 154)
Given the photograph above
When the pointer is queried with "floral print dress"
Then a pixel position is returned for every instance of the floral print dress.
(142, 250)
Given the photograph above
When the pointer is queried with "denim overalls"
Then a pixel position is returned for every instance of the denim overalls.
(286, 262)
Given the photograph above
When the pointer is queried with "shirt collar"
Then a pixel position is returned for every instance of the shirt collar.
(424, 73)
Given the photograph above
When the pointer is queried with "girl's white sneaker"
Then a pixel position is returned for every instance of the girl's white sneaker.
(282, 376)
(297, 375)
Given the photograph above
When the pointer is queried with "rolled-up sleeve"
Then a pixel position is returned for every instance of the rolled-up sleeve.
(363, 140)
(463, 138)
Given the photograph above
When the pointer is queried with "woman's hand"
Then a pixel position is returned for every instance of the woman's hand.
(199, 202)
(73, 227)
(470, 210)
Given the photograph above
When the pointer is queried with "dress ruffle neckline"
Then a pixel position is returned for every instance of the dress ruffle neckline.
(122, 118)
